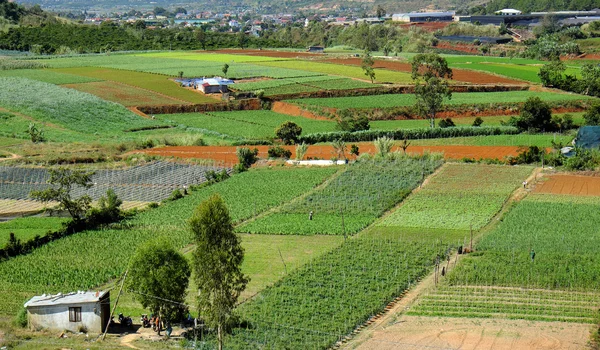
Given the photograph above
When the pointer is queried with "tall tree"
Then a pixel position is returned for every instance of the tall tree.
(367, 65)
(429, 72)
(201, 37)
(159, 277)
(217, 264)
(63, 180)
(380, 12)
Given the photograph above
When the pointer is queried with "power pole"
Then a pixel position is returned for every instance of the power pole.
(115, 306)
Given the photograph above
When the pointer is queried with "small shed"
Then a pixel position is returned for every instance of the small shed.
(74, 311)
(316, 49)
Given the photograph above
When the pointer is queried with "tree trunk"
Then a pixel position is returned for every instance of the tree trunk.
(432, 121)
(220, 335)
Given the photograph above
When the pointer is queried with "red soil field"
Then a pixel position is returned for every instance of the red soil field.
(458, 74)
(458, 47)
(577, 185)
(225, 155)
(267, 53)
(428, 26)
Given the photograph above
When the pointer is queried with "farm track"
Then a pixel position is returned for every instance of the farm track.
(404, 302)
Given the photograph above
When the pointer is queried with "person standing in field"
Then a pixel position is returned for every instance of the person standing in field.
(310, 215)
(532, 254)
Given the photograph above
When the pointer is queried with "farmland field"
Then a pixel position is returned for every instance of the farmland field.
(209, 56)
(67, 108)
(381, 75)
(153, 82)
(273, 83)
(360, 194)
(540, 140)
(245, 124)
(47, 76)
(570, 185)
(460, 197)
(501, 280)
(66, 268)
(472, 98)
(124, 94)
(29, 227)
(329, 297)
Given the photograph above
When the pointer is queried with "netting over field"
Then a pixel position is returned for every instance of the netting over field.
(148, 183)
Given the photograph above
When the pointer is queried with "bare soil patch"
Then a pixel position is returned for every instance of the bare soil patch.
(225, 155)
(458, 74)
(577, 185)
(294, 110)
(411, 332)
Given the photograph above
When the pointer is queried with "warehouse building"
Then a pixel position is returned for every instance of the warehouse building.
(416, 17)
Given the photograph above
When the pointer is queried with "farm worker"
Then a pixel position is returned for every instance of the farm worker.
(524, 184)
(532, 254)
(310, 215)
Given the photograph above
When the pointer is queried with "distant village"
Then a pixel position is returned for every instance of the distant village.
(253, 24)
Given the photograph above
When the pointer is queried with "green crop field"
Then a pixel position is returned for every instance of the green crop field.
(381, 75)
(472, 98)
(211, 57)
(67, 263)
(540, 140)
(28, 227)
(67, 108)
(125, 94)
(245, 124)
(522, 72)
(273, 83)
(153, 82)
(564, 236)
(460, 197)
(328, 298)
(360, 194)
(501, 280)
(47, 76)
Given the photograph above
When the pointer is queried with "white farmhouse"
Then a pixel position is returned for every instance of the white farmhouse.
(75, 312)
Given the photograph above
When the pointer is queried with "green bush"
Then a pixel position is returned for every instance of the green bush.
(446, 123)
(246, 156)
(20, 319)
(279, 152)
(592, 116)
(288, 132)
(478, 121)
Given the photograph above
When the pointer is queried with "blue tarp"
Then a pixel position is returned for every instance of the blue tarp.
(588, 137)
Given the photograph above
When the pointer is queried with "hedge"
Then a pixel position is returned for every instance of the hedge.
(409, 134)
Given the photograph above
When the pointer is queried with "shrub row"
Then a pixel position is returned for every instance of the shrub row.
(385, 90)
(409, 134)
(241, 105)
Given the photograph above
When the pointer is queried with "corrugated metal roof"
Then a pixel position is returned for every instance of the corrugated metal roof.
(61, 299)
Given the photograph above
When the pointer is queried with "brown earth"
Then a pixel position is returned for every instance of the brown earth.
(468, 48)
(570, 184)
(267, 53)
(413, 332)
(294, 110)
(225, 155)
(428, 26)
(463, 75)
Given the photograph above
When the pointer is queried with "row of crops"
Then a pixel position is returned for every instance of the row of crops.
(502, 279)
(351, 201)
(91, 258)
(67, 108)
(323, 301)
(461, 197)
(470, 98)
(299, 85)
(149, 182)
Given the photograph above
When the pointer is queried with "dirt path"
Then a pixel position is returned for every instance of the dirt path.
(393, 314)
(414, 332)
(12, 156)
(128, 339)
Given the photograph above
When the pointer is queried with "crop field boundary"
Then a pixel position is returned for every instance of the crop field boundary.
(403, 302)
(396, 89)
(239, 105)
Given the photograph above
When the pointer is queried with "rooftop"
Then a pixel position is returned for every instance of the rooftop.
(79, 297)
